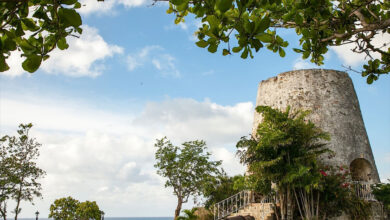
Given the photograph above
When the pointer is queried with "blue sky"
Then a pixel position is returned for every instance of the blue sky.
(133, 77)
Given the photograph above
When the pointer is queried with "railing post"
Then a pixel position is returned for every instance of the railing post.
(236, 205)
(214, 211)
(223, 208)
(245, 196)
(239, 197)
(230, 206)
(218, 211)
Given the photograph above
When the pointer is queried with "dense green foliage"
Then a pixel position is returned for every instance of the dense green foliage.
(188, 168)
(221, 187)
(188, 214)
(36, 27)
(382, 194)
(88, 211)
(338, 195)
(284, 152)
(19, 172)
(71, 209)
(319, 24)
(64, 209)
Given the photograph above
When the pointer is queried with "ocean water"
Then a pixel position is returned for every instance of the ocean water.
(116, 218)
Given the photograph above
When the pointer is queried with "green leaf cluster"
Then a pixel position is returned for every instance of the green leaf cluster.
(381, 192)
(284, 152)
(285, 149)
(338, 195)
(251, 25)
(189, 214)
(35, 28)
(222, 186)
(64, 208)
(71, 209)
(19, 173)
(187, 168)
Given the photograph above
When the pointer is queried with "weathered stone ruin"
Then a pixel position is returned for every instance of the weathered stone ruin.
(331, 98)
(334, 106)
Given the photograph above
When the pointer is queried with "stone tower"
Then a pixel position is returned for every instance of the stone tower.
(331, 98)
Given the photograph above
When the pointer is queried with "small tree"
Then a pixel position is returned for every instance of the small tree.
(64, 209)
(19, 171)
(8, 178)
(189, 214)
(88, 210)
(284, 152)
(221, 187)
(71, 209)
(188, 168)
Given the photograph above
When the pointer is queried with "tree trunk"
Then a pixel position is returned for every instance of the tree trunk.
(178, 207)
(282, 205)
(3, 214)
(318, 205)
(17, 209)
(276, 210)
(18, 201)
(3, 210)
(298, 204)
(289, 204)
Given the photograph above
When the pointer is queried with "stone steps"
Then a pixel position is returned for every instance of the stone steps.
(260, 211)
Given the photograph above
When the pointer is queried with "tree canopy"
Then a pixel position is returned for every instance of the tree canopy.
(220, 187)
(188, 168)
(71, 209)
(19, 173)
(36, 27)
(88, 210)
(284, 152)
(319, 24)
(64, 209)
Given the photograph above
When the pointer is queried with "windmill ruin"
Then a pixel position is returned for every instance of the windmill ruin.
(334, 106)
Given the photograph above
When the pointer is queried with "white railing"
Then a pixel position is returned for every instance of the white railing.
(232, 204)
(237, 202)
(244, 198)
(363, 190)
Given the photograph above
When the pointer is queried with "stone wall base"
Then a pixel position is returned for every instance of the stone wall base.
(260, 211)
(378, 213)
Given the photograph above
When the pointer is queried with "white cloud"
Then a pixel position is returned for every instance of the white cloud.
(303, 64)
(15, 64)
(139, 59)
(155, 56)
(133, 3)
(190, 27)
(81, 56)
(350, 58)
(127, 170)
(108, 6)
(182, 25)
(384, 160)
(91, 6)
(230, 162)
(207, 73)
(108, 156)
(84, 57)
(183, 118)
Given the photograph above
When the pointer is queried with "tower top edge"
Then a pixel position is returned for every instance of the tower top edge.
(301, 71)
